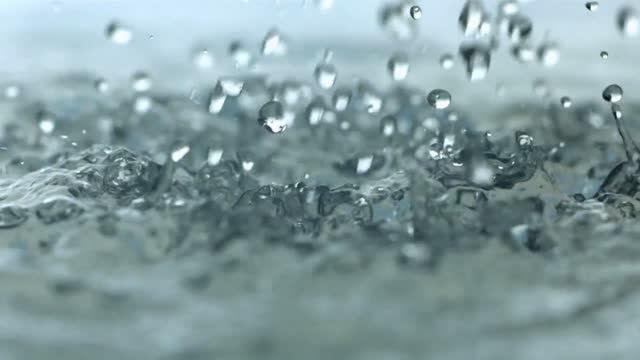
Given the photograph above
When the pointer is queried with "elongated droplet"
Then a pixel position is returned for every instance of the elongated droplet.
(612, 93)
(415, 12)
(628, 22)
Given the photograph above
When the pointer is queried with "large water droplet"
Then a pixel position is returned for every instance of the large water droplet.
(591, 5)
(398, 66)
(628, 22)
(612, 93)
(439, 98)
(118, 33)
(415, 12)
(271, 117)
(471, 17)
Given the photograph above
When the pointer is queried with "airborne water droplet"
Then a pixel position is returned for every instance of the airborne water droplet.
(271, 117)
(477, 59)
(388, 125)
(415, 12)
(274, 44)
(12, 91)
(591, 5)
(604, 55)
(180, 152)
(325, 75)
(46, 122)
(398, 66)
(446, 61)
(471, 17)
(520, 28)
(566, 102)
(628, 22)
(439, 99)
(612, 93)
(141, 81)
(101, 85)
(118, 34)
(548, 54)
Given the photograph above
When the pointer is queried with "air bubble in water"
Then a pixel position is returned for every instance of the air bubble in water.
(591, 5)
(439, 99)
(548, 54)
(398, 66)
(325, 75)
(612, 93)
(271, 117)
(274, 44)
(519, 28)
(477, 59)
(415, 12)
(203, 59)
(388, 125)
(118, 34)
(566, 102)
(628, 21)
(101, 85)
(446, 61)
(604, 55)
(471, 17)
(141, 81)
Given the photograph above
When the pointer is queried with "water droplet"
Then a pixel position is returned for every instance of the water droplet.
(604, 55)
(524, 139)
(214, 156)
(118, 34)
(612, 93)
(439, 99)
(394, 20)
(271, 117)
(388, 125)
(477, 59)
(325, 75)
(12, 91)
(141, 82)
(628, 22)
(519, 28)
(471, 17)
(566, 102)
(180, 152)
(415, 12)
(509, 7)
(241, 57)
(341, 99)
(591, 5)
(523, 53)
(46, 122)
(548, 54)
(541, 88)
(616, 110)
(398, 66)
(142, 104)
(203, 59)
(446, 61)
(364, 164)
(274, 44)
(101, 85)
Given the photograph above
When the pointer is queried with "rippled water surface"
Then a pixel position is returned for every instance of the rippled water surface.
(350, 180)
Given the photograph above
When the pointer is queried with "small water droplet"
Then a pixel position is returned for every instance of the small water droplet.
(46, 122)
(523, 53)
(203, 59)
(325, 75)
(549, 54)
(241, 57)
(628, 22)
(471, 17)
(101, 85)
(477, 58)
(274, 44)
(439, 99)
(591, 5)
(118, 33)
(604, 55)
(180, 152)
(612, 93)
(446, 61)
(519, 28)
(214, 156)
(509, 7)
(12, 91)
(398, 66)
(616, 110)
(271, 117)
(415, 12)
(388, 125)
(341, 99)
(394, 20)
(566, 102)
(142, 104)
(141, 82)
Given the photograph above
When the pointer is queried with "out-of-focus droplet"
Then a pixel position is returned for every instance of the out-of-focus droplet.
(241, 57)
(118, 33)
(179, 152)
(203, 59)
(541, 88)
(274, 44)
(446, 61)
(364, 164)
(520, 28)
(46, 122)
(141, 82)
(324, 4)
(628, 21)
(509, 7)
(591, 5)
(549, 54)
(341, 99)
(416, 12)
(524, 53)
(214, 156)
(477, 58)
(612, 93)
(398, 66)
(388, 125)
(566, 102)
(439, 99)
(12, 91)
(394, 21)
(471, 17)
(142, 104)
(325, 75)
(271, 117)
(101, 85)
(604, 55)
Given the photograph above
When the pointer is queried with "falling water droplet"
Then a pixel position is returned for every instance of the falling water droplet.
(179, 152)
(612, 93)
(566, 102)
(341, 99)
(271, 117)
(591, 5)
(471, 17)
(141, 82)
(142, 104)
(12, 91)
(203, 59)
(524, 53)
(325, 75)
(628, 22)
(519, 28)
(477, 59)
(446, 61)
(398, 66)
(415, 12)
(388, 125)
(274, 44)
(604, 55)
(549, 54)
(118, 34)
(46, 122)
(509, 7)
(241, 57)
(616, 110)
(101, 85)
(214, 156)
(439, 99)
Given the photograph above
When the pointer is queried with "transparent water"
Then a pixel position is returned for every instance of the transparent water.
(339, 179)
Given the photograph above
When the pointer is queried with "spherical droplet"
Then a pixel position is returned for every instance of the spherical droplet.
(566, 102)
(628, 22)
(271, 117)
(326, 75)
(612, 93)
(141, 82)
(118, 34)
(398, 66)
(439, 98)
(604, 55)
(12, 91)
(446, 61)
(46, 122)
(416, 12)
(591, 5)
